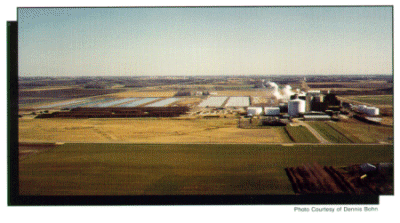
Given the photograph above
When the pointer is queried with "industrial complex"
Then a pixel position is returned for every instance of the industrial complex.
(283, 103)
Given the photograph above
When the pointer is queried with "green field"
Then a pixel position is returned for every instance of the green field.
(175, 169)
(344, 132)
(374, 99)
(330, 133)
(300, 134)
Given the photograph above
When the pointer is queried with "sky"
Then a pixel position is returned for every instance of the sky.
(205, 41)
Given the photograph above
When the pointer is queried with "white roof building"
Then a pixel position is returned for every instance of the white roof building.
(252, 111)
(272, 111)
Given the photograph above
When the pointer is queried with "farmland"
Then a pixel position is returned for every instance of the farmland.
(179, 169)
(300, 134)
(146, 130)
(330, 133)
(194, 130)
(61, 94)
(373, 99)
(64, 103)
(364, 132)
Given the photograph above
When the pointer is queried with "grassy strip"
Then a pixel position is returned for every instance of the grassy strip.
(329, 133)
(344, 133)
(168, 169)
(375, 99)
(300, 134)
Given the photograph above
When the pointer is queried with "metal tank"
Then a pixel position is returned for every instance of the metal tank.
(296, 106)
(371, 111)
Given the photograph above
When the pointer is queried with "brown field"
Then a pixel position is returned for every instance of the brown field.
(342, 89)
(316, 179)
(263, 101)
(49, 88)
(66, 93)
(146, 130)
(240, 93)
(353, 85)
(187, 101)
(134, 93)
(27, 149)
(387, 120)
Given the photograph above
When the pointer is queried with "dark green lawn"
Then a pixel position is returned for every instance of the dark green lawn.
(174, 169)
(300, 134)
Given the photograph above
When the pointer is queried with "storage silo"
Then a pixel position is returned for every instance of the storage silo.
(296, 106)
(309, 98)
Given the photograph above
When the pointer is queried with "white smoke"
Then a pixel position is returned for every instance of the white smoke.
(272, 90)
(272, 85)
(287, 92)
(280, 94)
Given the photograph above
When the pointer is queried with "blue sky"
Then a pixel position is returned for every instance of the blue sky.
(204, 41)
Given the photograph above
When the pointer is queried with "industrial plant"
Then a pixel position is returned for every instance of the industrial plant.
(270, 100)
(308, 105)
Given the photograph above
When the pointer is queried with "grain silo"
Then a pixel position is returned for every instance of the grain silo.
(296, 106)
(309, 98)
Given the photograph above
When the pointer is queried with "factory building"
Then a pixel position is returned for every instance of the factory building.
(321, 103)
(314, 93)
(301, 95)
(253, 111)
(317, 117)
(331, 102)
(272, 111)
(283, 107)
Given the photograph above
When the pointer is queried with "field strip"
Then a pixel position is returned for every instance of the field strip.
(340, 132)
(49, 88)
(106, 135)
(179, 169)
(350, 100)
(212, 143)
(315, 133)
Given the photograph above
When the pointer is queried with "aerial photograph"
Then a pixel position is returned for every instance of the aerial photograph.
(171, 101)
